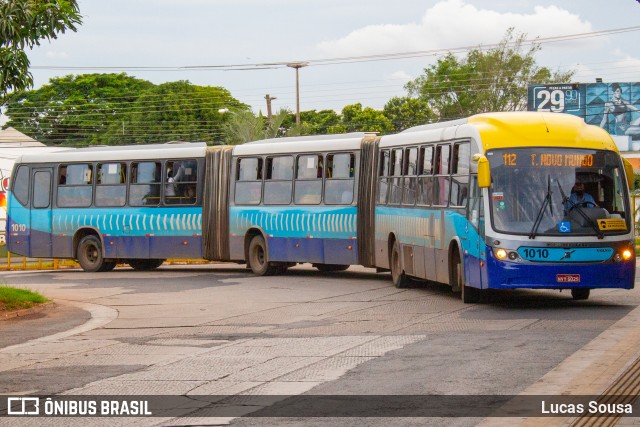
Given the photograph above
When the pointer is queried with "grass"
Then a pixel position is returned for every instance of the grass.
(17, 299)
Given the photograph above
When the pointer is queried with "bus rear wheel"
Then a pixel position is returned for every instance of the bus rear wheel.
(259, 259)
(399, 279)
(145, 264)
(330, 267)
(580, 294)
(89, 253)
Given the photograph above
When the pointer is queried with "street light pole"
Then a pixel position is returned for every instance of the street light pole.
(297, 66)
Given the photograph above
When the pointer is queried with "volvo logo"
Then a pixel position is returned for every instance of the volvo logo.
(567, 254)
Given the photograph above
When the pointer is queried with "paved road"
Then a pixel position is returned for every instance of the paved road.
(204, 330)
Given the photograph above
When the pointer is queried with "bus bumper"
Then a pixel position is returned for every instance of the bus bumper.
(513, 275)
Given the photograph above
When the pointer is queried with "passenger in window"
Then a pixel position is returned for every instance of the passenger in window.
(170, 187)
(190, 194)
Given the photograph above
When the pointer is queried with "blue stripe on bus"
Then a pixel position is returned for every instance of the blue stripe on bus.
(510, 275)
(315, 234)
(323, 222)
(430, 228)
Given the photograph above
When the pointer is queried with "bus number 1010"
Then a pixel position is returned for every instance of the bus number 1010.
(536, 253)
(18, 228)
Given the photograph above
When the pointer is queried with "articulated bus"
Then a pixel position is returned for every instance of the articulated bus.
(479, 203)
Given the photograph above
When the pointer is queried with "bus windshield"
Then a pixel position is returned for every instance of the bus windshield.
(557, 191)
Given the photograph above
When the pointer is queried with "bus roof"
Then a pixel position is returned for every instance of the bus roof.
(302, 144)
(117, 152)
(511, 129)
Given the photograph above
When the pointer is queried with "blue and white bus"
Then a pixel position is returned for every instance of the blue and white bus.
(480, 203)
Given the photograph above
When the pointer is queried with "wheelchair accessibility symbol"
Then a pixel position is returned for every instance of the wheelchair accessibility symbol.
(564, 227)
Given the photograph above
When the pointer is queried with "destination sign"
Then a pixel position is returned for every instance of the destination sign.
(547, 160)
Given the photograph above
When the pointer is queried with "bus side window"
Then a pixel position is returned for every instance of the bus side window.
(145, 184)
(442, 182)
(338, 189)
(20, 185)
(395, 182)
(410, 180)
(426, 179)
(308, 185)
(248, 188)
(383, 185)
(111, 185)
(278, 184)
(75, 185)
(180, 182)
(460, 174)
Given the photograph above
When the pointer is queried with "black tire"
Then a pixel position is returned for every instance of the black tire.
(468, 294)
(108, 266)
(145, 264)
(399, 279)
(259, 258)
(330, 267)
(89, 253)
(580, 294)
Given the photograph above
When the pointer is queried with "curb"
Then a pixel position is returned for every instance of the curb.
(27, 311)
(100, 316)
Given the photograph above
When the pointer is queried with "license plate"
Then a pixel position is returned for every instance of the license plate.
(568, 278)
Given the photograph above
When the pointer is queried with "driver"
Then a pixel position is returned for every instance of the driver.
(579, 197)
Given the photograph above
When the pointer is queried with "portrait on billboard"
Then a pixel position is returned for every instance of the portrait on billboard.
(620, 112)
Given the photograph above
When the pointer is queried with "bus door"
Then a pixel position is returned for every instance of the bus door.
(474, 235)
(40, 214)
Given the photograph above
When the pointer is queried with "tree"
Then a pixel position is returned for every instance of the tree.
(318, 122)
(112, 109)
(173, 111)
(405, 112)
(75, 110)
(486, 80)
(244, 126)
(358, 119)
(23, 24)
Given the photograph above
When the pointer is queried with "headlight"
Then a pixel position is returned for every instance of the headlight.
(501, 253)
(626, 254)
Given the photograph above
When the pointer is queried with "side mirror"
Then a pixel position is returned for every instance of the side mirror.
(628, 168)
(484, 171)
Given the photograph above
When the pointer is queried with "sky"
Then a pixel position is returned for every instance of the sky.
(162, 40)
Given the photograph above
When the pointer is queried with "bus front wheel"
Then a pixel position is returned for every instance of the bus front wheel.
(258, 257)
(468, 294)
(89, 254)
(579, 294)
(400, 280)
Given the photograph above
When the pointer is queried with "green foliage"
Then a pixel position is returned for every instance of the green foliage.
(357, 119)
(318, 122)
(110, 109)
(176, 111)
(75, 110)
(405, 112)
(23, 24)
(16, 299)
(243, 126)
(486, 80)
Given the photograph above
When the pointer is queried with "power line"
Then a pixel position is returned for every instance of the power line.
(340, 60)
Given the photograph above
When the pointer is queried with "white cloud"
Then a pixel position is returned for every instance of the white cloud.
(454, 23)
(52, 54)
(401, 75)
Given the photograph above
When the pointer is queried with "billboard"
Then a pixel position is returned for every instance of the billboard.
(614, 107)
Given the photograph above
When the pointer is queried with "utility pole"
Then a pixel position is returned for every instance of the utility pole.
(269, 99)
(297, 66)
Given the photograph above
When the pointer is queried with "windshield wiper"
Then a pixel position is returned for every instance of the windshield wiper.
(545, 203)
(578, 208)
